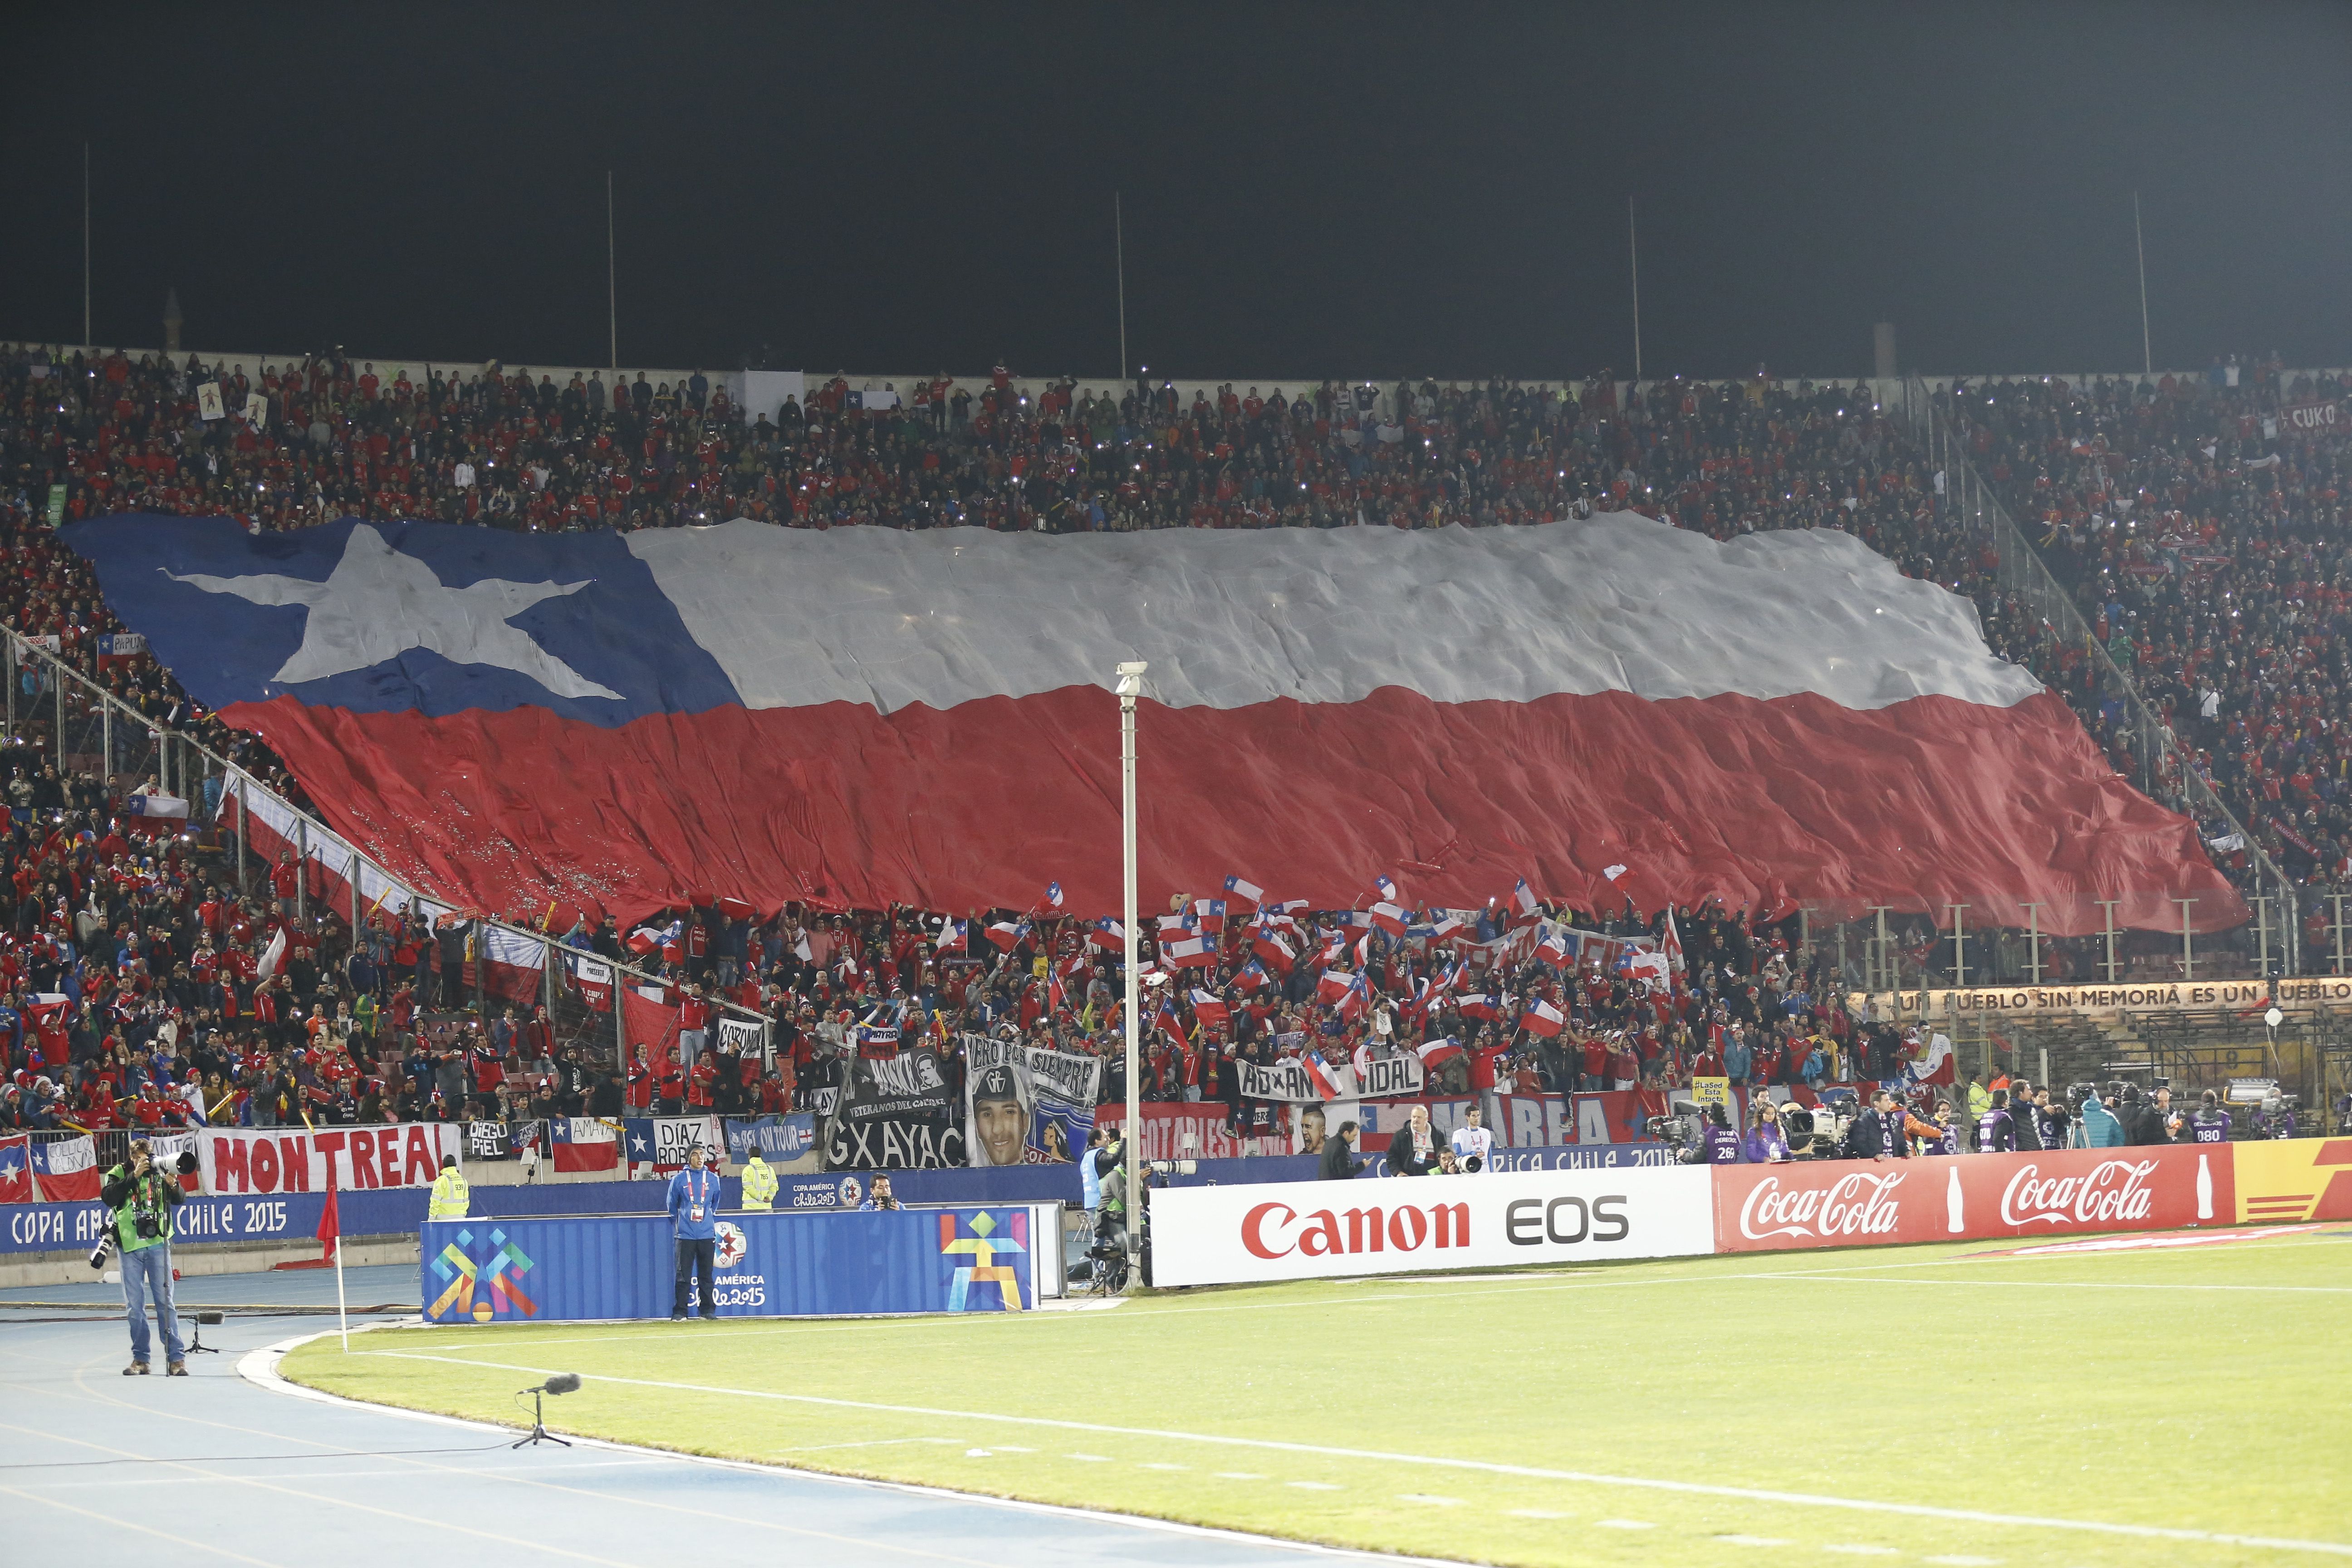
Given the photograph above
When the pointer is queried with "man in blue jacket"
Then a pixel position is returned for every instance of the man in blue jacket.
(694, 1220)
(2097, 1127)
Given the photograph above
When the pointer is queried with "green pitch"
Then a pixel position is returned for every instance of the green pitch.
(1656, 1413)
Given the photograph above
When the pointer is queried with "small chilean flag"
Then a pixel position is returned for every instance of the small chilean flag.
(1053, 894)
(1437, 1053)
(1242, 889)
(1388, 887)
(1319, 1076)
(1189, 953)
(1109, 934)
(1388, 918)
(1333, 985)
(1542, 1018)
(1522, 896)
(1268, 945)
(1250, 976)
(1210, 1009)
(1476, 1004)
(1211, 914)
(1553, 949)
(1005, 933)
(955, 937)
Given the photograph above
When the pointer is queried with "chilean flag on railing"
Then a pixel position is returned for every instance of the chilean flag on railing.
(868, 717)
(584, 1144)
(67, 1169)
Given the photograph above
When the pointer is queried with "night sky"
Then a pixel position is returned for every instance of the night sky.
(1308, 191)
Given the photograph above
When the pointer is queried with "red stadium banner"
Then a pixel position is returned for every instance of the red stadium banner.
(2057, 1193)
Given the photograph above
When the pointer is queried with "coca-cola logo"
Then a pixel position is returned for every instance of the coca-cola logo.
(2113, 1192)
(1861, 1203)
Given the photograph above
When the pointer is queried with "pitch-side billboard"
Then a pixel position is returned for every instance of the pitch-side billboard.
(1310, 1230)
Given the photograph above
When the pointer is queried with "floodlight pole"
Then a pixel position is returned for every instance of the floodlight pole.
(2139, 245)
(1131, 686)
(1119, 238)
(1634, 253)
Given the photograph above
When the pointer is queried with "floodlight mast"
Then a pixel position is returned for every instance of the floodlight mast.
(1130, 687)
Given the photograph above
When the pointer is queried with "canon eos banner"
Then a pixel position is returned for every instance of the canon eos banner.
(2075, 1192)
(1305, 1230)
(406, 1154)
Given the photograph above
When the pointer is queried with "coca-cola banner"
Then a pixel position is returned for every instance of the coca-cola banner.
(1307, 1230)
(295, 1160)
(2075, 1192)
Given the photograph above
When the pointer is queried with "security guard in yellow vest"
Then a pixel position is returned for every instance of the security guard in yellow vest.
(759, 1185)
(450, 1198)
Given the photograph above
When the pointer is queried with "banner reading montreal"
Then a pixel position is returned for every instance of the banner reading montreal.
(553, 1268)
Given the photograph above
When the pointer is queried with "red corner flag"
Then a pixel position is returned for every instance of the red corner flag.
(330, 1223)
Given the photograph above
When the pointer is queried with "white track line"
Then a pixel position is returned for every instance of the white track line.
(1488, 1467)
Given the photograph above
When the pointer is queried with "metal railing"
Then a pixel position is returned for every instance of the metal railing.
(94, 731)
(2021, 573)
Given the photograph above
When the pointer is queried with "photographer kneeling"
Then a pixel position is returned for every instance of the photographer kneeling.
(142, 1199)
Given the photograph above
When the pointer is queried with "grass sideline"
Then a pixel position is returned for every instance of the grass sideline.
(2196, 1388)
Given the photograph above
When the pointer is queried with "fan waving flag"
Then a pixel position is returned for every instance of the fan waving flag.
(864, 714)
(1211, 1009)
(1542, 1018)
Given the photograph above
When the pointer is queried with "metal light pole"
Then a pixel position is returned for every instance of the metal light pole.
(1131, 686)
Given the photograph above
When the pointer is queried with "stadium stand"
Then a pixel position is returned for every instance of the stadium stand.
(2213, 575)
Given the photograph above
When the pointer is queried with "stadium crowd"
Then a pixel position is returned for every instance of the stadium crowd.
(2200, 523)
(2219, 585)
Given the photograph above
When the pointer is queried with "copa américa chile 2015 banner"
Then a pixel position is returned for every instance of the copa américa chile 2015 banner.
(855, 716)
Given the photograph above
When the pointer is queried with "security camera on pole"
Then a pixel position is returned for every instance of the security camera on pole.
(1131, 686)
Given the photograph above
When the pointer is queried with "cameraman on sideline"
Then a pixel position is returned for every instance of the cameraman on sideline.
(142, 1199)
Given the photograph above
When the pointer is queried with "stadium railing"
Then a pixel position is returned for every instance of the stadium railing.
(104, 734)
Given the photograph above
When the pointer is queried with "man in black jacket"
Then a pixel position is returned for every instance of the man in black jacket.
(1413, 1151)
(2026, 1119)
(1877, 1132)
(1339, 1162)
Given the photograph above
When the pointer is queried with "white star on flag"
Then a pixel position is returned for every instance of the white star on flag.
(378, 604)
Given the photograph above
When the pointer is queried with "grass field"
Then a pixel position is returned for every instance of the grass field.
(1637, 1414)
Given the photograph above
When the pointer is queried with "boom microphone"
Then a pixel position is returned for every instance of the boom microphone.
(564, 1382)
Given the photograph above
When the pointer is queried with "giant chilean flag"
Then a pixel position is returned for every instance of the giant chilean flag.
(862, 716)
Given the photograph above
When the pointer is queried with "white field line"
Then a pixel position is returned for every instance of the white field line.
(1488, 1467)
(260, 1367)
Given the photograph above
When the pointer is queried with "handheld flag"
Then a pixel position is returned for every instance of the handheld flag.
(1242, 889)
